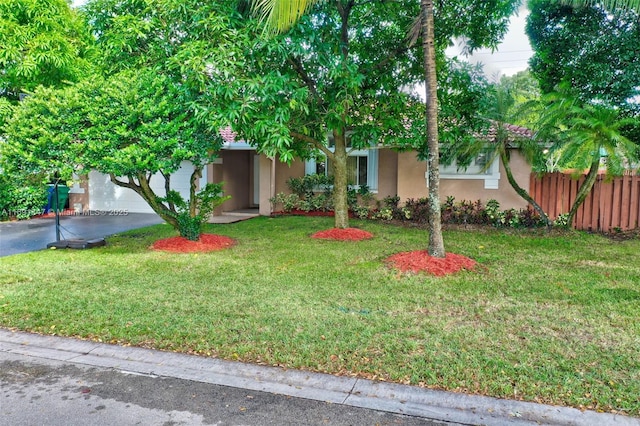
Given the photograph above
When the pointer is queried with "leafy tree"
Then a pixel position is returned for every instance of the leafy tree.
(168, 71)
(198, 50)
(131, 126)
(346, 65)
(596, 51)
(44, 42)
(456, 19)
(524, 89)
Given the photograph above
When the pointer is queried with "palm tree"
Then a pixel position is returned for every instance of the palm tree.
(436, 242)
(280, 15)
(584, 134)
(501, 113)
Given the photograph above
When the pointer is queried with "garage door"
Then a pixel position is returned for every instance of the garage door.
(104, 195)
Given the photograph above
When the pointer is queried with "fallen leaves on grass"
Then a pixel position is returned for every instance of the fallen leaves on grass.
(343, 234)
(207, 242)
(420, 261)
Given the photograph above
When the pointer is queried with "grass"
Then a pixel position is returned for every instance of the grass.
(545, 318)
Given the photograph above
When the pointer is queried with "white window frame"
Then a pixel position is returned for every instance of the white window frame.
(372, 166)
(491, 175)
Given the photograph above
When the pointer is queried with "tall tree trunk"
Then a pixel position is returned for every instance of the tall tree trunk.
(585, 188)
(519, 190)
(436, 242)
(341, 206)
(193, 184)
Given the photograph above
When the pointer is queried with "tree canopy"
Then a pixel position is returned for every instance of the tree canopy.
(595, 50)
(44, 42)
(351, 70)
(156, 102)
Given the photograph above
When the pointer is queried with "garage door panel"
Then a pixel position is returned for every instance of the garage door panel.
(104, 195)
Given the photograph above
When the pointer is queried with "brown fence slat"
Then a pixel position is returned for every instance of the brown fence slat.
(616, 203)
(634, 203)
(613, 204)
(625, 202)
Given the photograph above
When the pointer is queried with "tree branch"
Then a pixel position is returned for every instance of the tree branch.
(345, 11)
(316, 144)
(393, 55)
(294, 61)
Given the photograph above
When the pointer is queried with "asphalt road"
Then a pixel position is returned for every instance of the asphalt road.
(34, 234)
(52, 393)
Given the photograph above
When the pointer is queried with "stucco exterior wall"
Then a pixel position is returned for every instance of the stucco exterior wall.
(411, 177)
(387, 174)
(473, 190)
(285, 171)
(400, 174)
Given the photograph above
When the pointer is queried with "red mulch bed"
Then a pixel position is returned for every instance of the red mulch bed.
(346, 234)
(420, 261)
(207, 242)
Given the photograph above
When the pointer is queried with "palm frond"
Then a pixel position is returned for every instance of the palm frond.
(280, 15)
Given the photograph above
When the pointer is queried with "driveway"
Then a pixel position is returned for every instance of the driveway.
(34, 234)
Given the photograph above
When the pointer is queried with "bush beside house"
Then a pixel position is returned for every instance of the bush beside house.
(312, 194)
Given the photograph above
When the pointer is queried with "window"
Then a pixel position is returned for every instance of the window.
(477, 170)
(362, 167)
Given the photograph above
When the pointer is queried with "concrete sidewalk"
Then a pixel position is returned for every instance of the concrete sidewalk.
(348, 391)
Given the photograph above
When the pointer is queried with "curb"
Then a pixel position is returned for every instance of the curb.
(381, 396)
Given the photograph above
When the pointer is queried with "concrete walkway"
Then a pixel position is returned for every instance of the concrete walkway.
(234, 216)
(348, 391)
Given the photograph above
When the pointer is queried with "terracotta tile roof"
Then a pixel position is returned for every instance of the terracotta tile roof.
(514, 132)
(518, 131)
(228, 135)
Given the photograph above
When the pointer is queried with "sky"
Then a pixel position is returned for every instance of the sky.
(512, 55)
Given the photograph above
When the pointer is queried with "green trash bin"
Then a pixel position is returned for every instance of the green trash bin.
(63, 195)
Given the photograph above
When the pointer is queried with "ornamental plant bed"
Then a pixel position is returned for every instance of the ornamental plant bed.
(412, 261)
(312, 213)
(420, 261)
(206, 243)
(345, 234)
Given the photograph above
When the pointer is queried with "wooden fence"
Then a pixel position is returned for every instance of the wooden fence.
(611, 204)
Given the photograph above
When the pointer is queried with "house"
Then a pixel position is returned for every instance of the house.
(251, 179)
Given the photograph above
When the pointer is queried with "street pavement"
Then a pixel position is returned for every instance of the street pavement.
(47, 380)
(34, 234)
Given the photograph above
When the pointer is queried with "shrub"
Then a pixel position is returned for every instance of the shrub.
(463, 212)
(416, 210)
(21, 200)
(384, 214)
(391, 201)
(287, 201)
(315, 193)
(190, 223)
(305, 186)
(362, 212)
(562, 221)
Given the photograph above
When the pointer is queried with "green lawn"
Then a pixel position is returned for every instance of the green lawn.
(546, 318)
